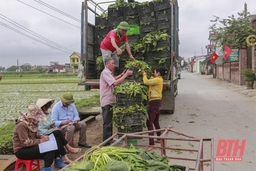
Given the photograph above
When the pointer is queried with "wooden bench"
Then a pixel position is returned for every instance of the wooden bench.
(7, 162)
(89, 112)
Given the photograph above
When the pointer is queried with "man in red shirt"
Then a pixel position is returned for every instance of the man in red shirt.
(110, 44)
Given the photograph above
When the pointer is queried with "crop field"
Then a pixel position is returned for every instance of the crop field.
(17, 94)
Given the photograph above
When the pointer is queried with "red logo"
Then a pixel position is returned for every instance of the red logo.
(230, 150)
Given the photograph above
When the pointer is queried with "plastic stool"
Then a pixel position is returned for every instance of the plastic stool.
(31, 165)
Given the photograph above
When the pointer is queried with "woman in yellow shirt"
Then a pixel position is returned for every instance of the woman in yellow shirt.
(154, 96)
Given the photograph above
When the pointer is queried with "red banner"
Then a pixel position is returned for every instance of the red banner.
(214, 58)
(227, 52)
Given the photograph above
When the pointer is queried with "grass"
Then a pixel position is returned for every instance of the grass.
(92, 101)
(6, 131)
(17, 93)
(39, 78)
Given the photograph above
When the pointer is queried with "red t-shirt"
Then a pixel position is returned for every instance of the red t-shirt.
(106, 42)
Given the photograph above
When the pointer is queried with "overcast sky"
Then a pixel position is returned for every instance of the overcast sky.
(63, 30)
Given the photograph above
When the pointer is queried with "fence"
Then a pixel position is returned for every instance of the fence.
(230, 71)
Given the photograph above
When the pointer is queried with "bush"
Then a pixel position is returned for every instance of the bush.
(248, 73)
(6, 138)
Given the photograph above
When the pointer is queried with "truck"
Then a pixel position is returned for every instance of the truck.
(144, 18)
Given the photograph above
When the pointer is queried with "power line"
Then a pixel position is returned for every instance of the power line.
(17, 31)
(33, 33)
(57, 10)
(48, 14)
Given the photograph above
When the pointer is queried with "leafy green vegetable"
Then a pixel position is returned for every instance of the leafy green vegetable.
(131, 89)
(114, 165)
(153, 165)
(113, 158)
(99, 63)
(83, 165)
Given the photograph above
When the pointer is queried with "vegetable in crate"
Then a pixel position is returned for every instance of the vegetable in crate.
(137, 66)
(129, 111)
(129, 119)
(131, 89)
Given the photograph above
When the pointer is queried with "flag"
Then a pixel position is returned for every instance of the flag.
(214, 58)
(227, 52)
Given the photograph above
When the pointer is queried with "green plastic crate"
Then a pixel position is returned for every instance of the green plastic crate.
(134, 29)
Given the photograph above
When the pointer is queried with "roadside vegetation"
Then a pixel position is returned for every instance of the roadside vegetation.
(19, 90)
(233, 31)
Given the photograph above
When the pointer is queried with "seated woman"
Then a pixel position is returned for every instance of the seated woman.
(25, 139)
(46, 127)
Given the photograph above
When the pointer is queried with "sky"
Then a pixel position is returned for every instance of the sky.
(22, 22)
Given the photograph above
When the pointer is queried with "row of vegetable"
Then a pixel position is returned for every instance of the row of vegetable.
(15, 98)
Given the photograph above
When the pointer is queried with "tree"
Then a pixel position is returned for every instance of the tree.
(41, 69)
(2, 68)
(12, 68)
(26, 67)
(233, 31)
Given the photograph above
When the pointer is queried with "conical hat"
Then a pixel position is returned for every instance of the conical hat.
(41, 102)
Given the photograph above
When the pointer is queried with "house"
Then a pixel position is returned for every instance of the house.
(207, 66)
(198, 63)
(75, 61)
(55, 67)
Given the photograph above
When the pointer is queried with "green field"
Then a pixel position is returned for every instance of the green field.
(17, 93)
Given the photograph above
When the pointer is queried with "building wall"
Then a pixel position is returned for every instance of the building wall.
(254, 57)
(226, 72)
(219, 72)
(234, 69)
(242, 64)
(254, 60)
(198, 66)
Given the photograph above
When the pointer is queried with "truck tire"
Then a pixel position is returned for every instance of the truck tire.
(87, 87)
(168, 103)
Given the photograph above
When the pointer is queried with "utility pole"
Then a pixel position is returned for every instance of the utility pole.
(245, 8)
(18, 66)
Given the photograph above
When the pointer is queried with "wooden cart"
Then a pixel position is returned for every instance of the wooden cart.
(194, 154)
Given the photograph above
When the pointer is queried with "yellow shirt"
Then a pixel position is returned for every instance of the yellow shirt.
(155, 87)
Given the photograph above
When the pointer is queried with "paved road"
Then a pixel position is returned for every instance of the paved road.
(209, 108)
